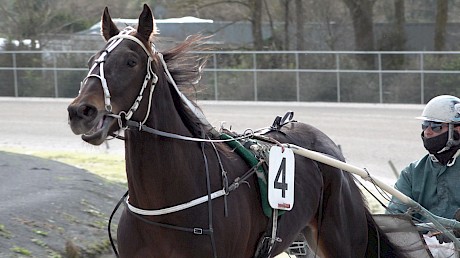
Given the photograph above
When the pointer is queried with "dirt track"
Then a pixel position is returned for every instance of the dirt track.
(370, 134)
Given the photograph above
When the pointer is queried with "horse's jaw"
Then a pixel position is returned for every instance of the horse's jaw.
(99, 132)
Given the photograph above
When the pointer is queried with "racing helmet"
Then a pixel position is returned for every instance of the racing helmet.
(443, 109)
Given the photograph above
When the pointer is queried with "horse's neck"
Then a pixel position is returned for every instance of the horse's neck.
(157, 166)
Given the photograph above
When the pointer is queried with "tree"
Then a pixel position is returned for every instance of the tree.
(400, 23)
(251, 11)
(255, 7)
(286, 24)
(299, 14)
(26, 19)
(396, 38)
(393, 38)
(361, 12)
(441, 23)
(31, 19)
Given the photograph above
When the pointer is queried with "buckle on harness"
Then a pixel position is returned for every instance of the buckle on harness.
(198, 231)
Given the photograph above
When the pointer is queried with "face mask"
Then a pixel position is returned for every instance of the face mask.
(434, 144)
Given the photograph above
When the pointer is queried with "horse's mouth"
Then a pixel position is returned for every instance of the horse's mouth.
(99, 132)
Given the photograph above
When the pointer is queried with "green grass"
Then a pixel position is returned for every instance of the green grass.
(108, 166)
(39, 242)
(41, 233)
(112, 166)
(21, 250)
(4, 232)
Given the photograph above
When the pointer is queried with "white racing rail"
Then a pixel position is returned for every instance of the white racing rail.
(439, 222)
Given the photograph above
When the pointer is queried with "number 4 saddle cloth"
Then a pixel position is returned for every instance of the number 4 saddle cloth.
(255, 149)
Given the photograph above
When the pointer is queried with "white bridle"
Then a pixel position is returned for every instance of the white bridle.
(114, 42)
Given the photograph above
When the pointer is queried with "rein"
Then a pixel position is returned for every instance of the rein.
(142, 127)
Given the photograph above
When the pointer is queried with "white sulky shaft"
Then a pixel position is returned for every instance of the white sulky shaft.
(320, 157)
(438, 222)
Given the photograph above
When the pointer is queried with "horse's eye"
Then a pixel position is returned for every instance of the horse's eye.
(132, 63)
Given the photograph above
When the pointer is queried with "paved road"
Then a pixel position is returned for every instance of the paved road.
(370, 134)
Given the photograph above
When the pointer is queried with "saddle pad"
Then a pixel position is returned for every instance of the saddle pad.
(261, 173)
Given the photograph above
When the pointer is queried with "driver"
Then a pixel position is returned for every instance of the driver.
(434, 180)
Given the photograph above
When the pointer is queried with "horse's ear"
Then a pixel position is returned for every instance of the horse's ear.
(146, 23)
(108, 28)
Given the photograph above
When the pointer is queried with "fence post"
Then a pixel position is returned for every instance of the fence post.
(254, 61)
(297, 76)
(379, 57)
(56, 90)
(337, 67)
(15, 76)
(422, 79)
(216, 91)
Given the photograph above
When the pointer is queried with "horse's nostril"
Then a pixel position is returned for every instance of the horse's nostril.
(82, 112)
(86, 111)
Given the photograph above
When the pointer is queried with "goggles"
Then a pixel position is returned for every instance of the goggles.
(435, 126)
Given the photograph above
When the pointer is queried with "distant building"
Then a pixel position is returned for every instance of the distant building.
(238, 35)
(224, 34)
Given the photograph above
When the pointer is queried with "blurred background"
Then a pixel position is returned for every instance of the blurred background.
(398, 51)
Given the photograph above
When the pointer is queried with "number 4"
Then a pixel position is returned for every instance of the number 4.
(281, 178)
(283, 186)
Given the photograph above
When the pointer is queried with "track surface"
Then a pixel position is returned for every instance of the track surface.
(369, 134)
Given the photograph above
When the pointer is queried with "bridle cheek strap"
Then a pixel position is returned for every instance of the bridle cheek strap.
(149, 75)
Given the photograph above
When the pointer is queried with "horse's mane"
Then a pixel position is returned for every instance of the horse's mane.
(186, 69)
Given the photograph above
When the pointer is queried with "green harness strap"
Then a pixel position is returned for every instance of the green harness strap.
(252, 161)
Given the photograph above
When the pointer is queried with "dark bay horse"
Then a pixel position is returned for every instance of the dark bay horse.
(131, 86)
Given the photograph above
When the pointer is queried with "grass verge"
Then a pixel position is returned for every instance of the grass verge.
(112, 166)
(109, 166)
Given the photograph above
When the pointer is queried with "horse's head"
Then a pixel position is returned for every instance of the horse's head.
(118, 75)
